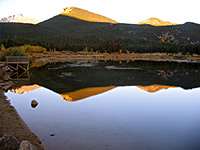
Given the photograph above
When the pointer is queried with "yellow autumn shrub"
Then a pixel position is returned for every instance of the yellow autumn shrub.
(30, 48)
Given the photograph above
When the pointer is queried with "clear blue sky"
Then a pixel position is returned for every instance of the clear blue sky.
(123, 11)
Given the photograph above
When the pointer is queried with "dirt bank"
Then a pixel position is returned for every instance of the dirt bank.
(11, 123)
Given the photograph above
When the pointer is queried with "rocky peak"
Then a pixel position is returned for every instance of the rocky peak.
(156, 22)
(19, 18)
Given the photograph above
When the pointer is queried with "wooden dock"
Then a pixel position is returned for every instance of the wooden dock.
(17, 62)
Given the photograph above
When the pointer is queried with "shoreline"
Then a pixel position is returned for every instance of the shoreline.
(14, 132)
(12, 123)
(81, 56)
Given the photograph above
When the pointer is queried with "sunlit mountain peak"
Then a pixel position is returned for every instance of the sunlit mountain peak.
(156, 22)
(85, 15)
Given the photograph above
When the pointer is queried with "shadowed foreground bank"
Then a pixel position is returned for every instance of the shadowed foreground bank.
(13, 131)
(11, 123)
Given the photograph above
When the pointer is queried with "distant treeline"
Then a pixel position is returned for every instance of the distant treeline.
(124, 45)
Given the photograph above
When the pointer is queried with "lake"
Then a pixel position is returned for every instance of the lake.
(119, 105)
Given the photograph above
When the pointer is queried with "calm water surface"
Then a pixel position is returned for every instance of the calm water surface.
(124, 117)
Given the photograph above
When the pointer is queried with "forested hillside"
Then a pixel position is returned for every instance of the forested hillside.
(67, 33)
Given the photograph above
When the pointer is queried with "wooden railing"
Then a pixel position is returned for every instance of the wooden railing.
(17, 59)
(18, 62)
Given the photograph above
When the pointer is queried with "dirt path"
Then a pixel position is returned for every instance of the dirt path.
(10, 122)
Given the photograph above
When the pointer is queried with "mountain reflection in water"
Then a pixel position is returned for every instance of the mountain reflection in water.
(25, 89)
(84, 93)
(87, 92)
(72, 76)
(155, 88)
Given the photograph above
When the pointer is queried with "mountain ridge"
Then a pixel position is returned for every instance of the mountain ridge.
(175, 33)
(64, 32)
(84, 15)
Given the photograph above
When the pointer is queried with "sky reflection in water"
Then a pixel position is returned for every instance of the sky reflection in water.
(123, 118)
